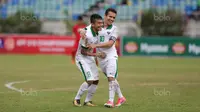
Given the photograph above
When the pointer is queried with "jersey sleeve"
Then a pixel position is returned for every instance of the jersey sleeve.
(115, 33)
(83, 43)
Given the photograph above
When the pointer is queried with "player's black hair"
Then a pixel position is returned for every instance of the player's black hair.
(110, 10)
(80, 18)
(94, 17)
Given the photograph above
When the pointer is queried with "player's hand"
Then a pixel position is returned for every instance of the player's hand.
(83, 52)
(92, 46)
(82, 33)
(101, 55)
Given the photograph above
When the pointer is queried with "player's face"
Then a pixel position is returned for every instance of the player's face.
(110, 18)
(98, 24)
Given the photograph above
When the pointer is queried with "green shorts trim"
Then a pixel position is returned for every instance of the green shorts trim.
(83, 72)
(116, 74)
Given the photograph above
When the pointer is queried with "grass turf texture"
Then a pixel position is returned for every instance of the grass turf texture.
(149, 84)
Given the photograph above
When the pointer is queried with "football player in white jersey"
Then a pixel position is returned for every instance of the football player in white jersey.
(86, 62)
(109, 64)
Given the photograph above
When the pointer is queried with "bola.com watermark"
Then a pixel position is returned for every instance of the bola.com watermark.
(161, 17)
(29, 92)
(161, 92)
(30, 17)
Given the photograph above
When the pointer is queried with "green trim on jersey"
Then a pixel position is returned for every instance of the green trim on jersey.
(116, 74)
(93, 32)
(84, 47)
(83, 72)
(105, 74)
(109, 27)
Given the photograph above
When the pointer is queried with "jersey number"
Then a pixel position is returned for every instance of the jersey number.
(102, 38)
(88, 74)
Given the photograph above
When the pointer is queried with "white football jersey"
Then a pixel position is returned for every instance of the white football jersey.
(92, 38)
(106, 34)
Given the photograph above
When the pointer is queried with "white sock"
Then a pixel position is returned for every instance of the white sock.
(112, 90)
(118, 90)
(81, 90)
(91, 91)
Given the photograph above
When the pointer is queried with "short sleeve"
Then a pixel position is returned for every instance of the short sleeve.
(115, 33)
(84, 42)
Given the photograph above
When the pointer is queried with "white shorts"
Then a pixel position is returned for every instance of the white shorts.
(109, 68)
(89, 70)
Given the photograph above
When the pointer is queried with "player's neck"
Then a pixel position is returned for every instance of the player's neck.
(105, 25)
(94, 30)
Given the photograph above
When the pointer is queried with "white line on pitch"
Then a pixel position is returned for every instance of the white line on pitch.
(10, 85)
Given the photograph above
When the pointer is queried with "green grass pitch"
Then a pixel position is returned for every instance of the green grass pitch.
(149, 84)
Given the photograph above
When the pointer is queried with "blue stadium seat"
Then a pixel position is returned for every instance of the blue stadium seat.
(3, 11)
(68, 2)
(54, 9)
(135, 2)
(14, 2)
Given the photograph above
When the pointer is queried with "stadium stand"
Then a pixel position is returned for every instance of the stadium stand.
(55, 9)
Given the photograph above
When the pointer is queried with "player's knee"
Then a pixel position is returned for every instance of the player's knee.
(89, 82)
(111, 79)
(96, 82)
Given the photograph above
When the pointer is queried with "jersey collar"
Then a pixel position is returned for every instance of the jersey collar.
(93, 33)
(109, 26)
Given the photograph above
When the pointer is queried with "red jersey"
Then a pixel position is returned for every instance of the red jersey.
(75, 30)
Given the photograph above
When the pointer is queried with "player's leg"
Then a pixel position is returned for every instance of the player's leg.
(111, 71)
(104, 67)
(92, 89)
(115, 68)
(84, 86)
(110, 102)
(121, 98)
(84, 68)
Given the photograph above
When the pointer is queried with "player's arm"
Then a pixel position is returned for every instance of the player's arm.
(87, 53)
(85, 50)
(108, 44)
(105, 44)
(82, 32)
